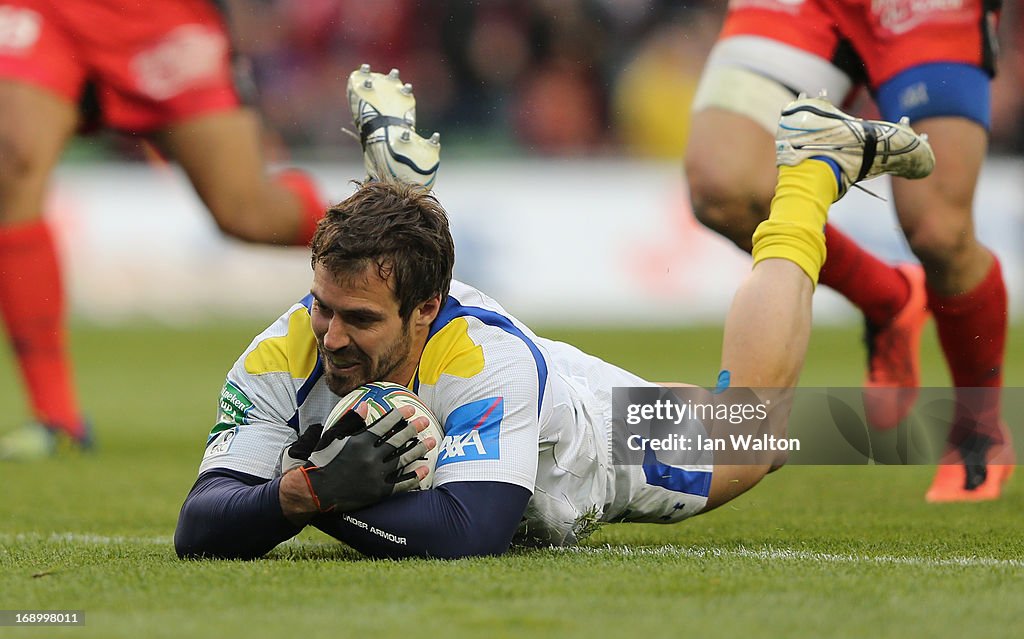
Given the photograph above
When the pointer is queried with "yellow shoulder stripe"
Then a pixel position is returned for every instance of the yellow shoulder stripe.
(294, 352)
(451, 352)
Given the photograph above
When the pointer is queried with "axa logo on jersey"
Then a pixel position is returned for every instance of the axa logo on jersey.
(473, 432)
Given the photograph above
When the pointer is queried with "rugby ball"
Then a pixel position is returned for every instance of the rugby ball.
(383, 397)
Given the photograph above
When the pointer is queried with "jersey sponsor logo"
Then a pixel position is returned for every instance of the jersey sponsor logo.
(234, 405)
(188, 57)
(473, 432)
(221, 443)
(19, 28)
(900, 16)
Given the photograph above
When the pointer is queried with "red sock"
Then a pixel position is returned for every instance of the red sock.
(972, 331)
(876, 288)
(32, 307)
(313, 205)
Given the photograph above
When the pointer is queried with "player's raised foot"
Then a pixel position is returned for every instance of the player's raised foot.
(974, 473)
(35, 441)
(384, 114)
(894, 372)
(862, 149)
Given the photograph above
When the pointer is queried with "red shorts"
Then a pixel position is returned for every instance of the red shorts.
(152, 62)
(888, 36)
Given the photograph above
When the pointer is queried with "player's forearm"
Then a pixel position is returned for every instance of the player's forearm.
(462, 519)
(228, 516)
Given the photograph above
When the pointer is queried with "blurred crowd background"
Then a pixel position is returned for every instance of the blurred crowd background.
(516, 77)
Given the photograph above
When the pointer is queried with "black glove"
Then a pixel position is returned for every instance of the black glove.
(355, 465)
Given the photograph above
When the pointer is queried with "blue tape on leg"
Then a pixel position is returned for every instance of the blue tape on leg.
(724, 378)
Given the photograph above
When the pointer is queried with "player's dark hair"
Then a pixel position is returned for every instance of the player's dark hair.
(400, 228)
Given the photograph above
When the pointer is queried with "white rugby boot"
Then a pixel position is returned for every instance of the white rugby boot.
(863, 149)
(384, 114)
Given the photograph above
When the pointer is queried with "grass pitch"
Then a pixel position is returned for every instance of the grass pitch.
(811, 552)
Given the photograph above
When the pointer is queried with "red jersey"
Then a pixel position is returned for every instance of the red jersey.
(152, 62)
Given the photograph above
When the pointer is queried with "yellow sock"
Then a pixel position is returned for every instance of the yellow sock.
(795, 228)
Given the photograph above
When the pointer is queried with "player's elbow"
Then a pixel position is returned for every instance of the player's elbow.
(189, 543)
(199, 537)
(194, 540)
(196, 543)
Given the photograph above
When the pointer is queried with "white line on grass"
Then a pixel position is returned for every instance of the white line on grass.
(767, 553)
(89, 539)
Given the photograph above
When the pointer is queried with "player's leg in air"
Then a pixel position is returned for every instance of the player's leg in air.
(764, 57)
(821, 152)
(195, 114)
(222, 154)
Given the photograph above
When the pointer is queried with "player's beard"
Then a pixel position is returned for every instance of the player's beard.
(367, 370)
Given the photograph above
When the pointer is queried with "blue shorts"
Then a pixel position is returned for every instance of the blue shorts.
(937, 90)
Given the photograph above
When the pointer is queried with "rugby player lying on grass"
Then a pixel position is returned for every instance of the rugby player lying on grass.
(527, 421)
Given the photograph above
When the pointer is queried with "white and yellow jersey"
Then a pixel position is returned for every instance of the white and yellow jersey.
(514, 408)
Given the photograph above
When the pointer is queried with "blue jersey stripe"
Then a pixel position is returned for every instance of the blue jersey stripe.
(453, 309)
(314, 377)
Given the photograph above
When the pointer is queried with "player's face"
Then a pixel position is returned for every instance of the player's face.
(359, 332)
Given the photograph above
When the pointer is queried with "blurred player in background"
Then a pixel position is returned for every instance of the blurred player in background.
(932, 63)
(528, 426)
(161, 69)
